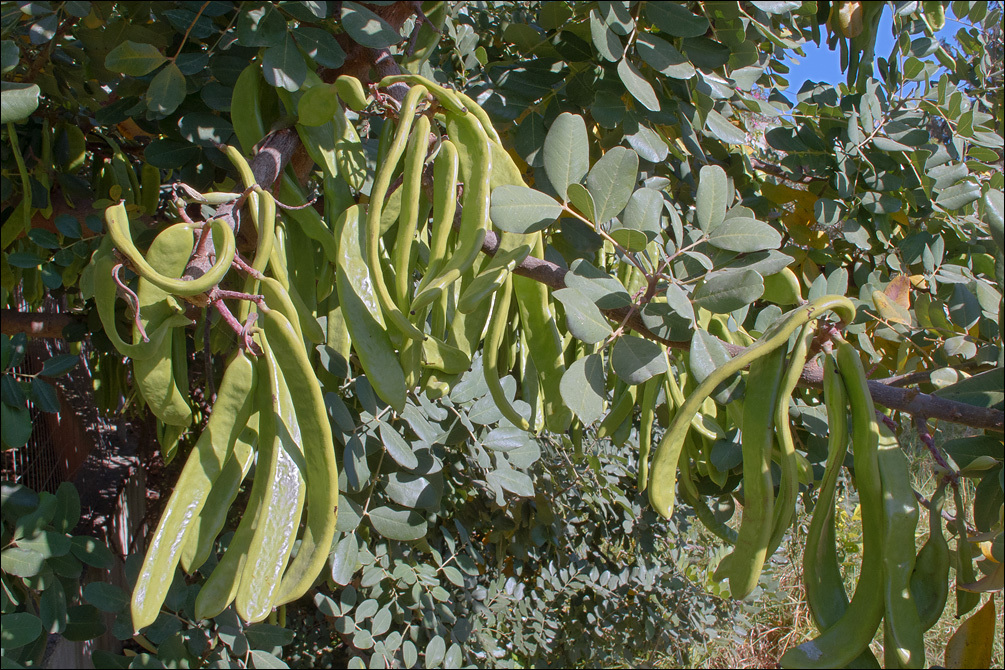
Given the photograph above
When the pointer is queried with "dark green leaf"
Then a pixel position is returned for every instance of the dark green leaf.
(367, 28)
(283, 65)
(17, 101)
(92, 552)
(712, 198)
(676, 20)
(435, 651)
(263, 659)
(343, 560)
(21, 562)
(608, 44)
(708, 353)
(395, 524)
(397, 447)
(169, 154)
(19, 629)
(744, 235)
(83, 623)
(663, 57)
(47, 543)
(167, 90)
(267, 636)
(513, 481)
(15, 426)
(106, 597)
(583, 317)
(134, 59)
(721, 128)
(52, 607)
(262, 26)
(59, 365)
(612, 181)
(320, 45)
(67, 512)
(705, 53)
(958, 196)
(983, 390)
(638, 85)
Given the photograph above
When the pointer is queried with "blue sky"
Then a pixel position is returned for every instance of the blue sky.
(822, 64)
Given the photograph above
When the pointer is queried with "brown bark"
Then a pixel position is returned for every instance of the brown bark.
(36, 324)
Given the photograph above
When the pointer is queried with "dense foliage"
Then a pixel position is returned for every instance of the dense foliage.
(651, 200)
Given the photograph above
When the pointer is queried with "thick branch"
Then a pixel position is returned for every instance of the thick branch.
(36, 324)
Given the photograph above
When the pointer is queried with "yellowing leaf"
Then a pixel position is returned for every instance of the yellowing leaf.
(970, 646)
(899, 291)
(919, 282)
(889, 310)
(993, 582)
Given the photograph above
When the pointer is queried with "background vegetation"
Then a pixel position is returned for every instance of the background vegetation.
(462, 540)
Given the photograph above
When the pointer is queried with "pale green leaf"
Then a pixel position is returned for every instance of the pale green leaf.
(612, 181)
(583, 389)
(566, 152)
(635, 359)
(728, 291)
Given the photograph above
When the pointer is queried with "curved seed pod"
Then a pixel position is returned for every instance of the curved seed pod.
(221, 586)
(904, 642)
(544, 340)
(207, 526)
(351, 92)
(363, 316)
(476, 168)
(822, 579)
(319, 456)
(377, 194)
(402, 256)
(225, 244)
(161, 378)
(105, 295)
(445, 171)
(493, 339)
(279, 517)
(743, 566)
(230, 414)
(930, 579)
(850, 635)
(246, 107)
(664, 469)
(788, 490)
(447, 98)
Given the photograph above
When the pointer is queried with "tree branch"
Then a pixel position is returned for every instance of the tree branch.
(36, 324)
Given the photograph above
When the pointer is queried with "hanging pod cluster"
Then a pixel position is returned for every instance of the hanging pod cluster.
(268, 410)
(417, 304)
(904, 590)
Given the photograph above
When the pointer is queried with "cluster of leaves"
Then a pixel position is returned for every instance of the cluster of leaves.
(470, 540)
(460, 538)
(19, 389)
(42, 565)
